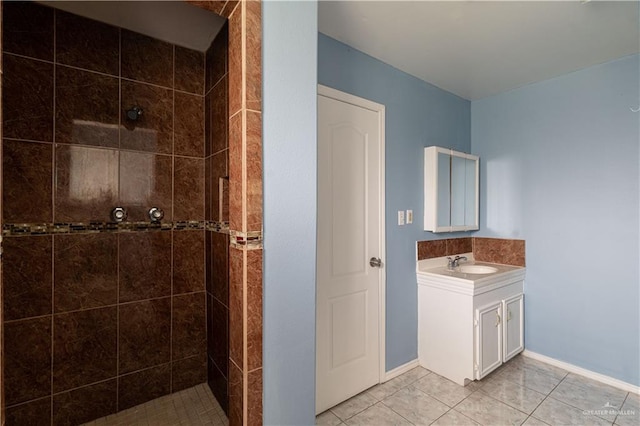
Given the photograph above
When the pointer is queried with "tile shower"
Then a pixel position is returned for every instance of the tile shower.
(99, 317)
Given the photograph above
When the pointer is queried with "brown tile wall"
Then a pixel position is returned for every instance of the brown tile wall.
(79, 332)
(217, 210)
(494, 250)
(245, 209)
(96, 323)
(2, 404)
(244, 168)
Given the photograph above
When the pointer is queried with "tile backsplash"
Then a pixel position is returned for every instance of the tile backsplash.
(446, 247)
(499, 250)
(494, 250)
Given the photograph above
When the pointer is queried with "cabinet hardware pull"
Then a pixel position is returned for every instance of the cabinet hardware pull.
(497, 319)
(509, 315)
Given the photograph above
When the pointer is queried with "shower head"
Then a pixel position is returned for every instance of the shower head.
(134, 113)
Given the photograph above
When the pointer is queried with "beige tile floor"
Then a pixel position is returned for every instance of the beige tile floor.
(523, 391)
(195, 406)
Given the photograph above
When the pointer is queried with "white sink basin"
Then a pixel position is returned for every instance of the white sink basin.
(471, 276)
(477, 269)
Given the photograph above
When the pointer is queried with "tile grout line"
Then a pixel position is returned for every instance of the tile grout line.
(27, 140)
(548, 395)
(584, 388)
(117, 236)
(539, 372)
(615, 419)
(525, 387)
(243, 136)
(110, 148)
(173, 145)
(55, 63)
(112, 305)
(118, 323)
(173, 212)
(502, 402)
(394, 411)
(53, 210)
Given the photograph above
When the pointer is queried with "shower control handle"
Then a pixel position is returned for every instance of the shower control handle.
(156, 214)
(134, 113)
(118, 214)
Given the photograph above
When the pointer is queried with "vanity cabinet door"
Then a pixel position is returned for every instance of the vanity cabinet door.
(488, 339)
(513, 326)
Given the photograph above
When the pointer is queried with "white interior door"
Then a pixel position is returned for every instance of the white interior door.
(350, 234)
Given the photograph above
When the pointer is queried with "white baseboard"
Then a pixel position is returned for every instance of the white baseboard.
(607, 380)
(400, 370)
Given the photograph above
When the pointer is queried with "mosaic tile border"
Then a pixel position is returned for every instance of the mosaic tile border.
(24, 229)
(220, 227)
(251, 240)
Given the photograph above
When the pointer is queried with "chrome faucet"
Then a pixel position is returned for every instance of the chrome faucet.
(454, 263)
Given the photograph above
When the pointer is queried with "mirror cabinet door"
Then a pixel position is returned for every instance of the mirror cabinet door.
(444, 189)
(450, 190)
(471, 193)
(458, 191)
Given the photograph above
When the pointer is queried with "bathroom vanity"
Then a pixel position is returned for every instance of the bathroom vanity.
(470, 319)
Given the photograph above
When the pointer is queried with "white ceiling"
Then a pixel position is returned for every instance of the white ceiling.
(476, 49)
(176, 22)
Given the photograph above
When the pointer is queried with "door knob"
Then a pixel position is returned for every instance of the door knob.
(375, 262)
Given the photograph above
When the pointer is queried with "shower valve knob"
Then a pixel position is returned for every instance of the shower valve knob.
(118, 214)
(156, 214)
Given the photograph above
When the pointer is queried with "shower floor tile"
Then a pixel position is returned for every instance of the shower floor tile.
(195, 406)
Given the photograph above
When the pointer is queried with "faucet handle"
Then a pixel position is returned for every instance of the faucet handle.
(454, 263)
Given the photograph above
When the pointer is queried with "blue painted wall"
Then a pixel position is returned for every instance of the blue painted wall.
(289, 149)
(559, 168)
(418, 114)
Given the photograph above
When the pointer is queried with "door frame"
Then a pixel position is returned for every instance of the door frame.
(348, 98)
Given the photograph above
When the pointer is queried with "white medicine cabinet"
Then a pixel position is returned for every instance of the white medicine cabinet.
(451, 182)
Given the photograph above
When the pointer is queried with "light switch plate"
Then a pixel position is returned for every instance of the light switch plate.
(409, 216)
(400, 217)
